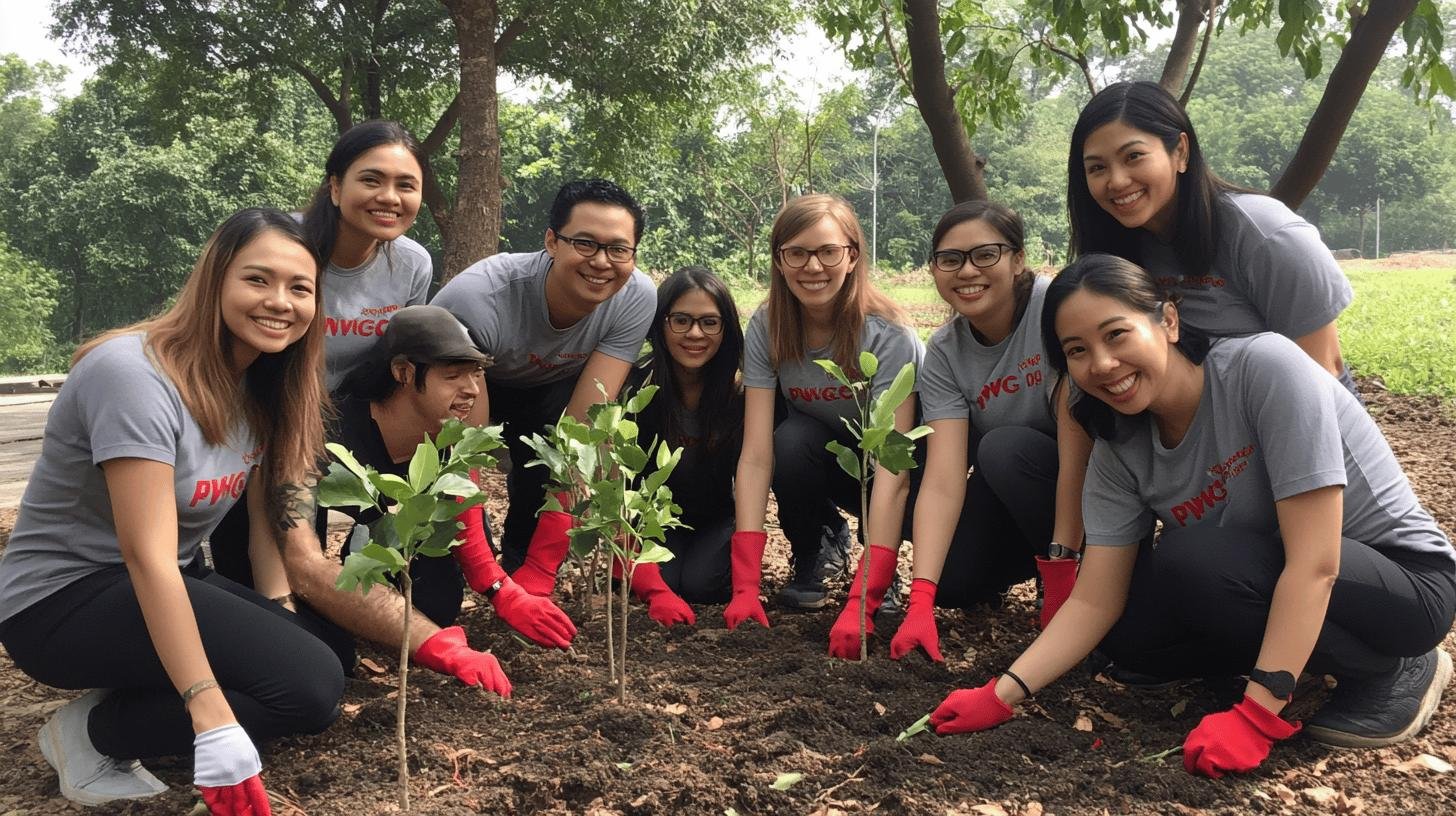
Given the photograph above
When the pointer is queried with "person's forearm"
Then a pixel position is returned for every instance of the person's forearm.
(1067, 529)
(377, 616)
(269, 578)
(887, 507)
(172, 625)
(1296, 615)
(750, 495)
(1070, 637)
(937, 512)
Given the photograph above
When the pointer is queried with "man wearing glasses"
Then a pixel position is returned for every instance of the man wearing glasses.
(556, 321)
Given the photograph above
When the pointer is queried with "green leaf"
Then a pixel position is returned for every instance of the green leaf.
(631, 457)
(451, 432)
(441, 541)
(873, 439)
(832, 369)
(424, 466)
(919, 432)
(653, 553)
(953, 47)
(784, 781)
(362, 572)
(475, 441)
(848, 459)
(641, 399)
(341, 488)
(342, 454)
(897, 454)
(391, 485)
(453, 484)
(883, 412)
(868, 364)
(626, 430)
(412, 516)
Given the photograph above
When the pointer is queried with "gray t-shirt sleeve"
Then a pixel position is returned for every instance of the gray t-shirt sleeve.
(893, 345)
(1292, 413)
(1284, 268)
(1113, 512)
(623, 339)
(940, 396)
(758, 371)
(125, 406)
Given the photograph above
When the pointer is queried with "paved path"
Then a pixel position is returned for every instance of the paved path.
(22, 420)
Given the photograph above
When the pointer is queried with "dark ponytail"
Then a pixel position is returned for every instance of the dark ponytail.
(321, 219)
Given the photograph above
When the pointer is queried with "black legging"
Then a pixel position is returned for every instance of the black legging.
(700, 569)
(278, 678)
(1199, 602)
(1007, 516)
(811, 487)
(525, 411)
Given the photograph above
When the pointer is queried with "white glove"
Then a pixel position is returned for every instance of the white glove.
(223, 757)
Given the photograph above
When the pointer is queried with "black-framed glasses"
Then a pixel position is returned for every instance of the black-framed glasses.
(682, 323)
(981, 257)
(586, 248)
(828, 255)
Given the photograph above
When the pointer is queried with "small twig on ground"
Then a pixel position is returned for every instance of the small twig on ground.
(854, 777)
(1160, 755)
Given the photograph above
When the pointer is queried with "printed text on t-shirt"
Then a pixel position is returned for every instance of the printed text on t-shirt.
(562, 358)
(1217, 490)
(214, 490)
(1191, 281)
(1011, 383)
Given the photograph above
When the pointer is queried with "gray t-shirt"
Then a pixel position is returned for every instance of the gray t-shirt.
(809, 388)
(503, 300)
(115, 404)
(1009, 383)
(1271, 424)
(1271, 272)
(358, 302)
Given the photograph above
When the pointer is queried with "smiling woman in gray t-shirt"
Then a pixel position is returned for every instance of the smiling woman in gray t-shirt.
(1291, 540)
(157, 430)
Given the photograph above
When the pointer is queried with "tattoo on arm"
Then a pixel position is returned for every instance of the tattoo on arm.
(294, 504)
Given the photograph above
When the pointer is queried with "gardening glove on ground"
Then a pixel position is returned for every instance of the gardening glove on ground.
(447, 653)
(546, 551)
(747, 555)
(474, 553)
(844, 635)
(1058, 575)
(226, 768)
(967, 710)
(663, 605)
(918, 628)
(535, 617)
(1234, 741)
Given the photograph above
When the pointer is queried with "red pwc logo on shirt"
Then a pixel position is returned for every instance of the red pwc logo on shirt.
(1190, 281)
(828, 393)
(360, 327)
(1216, 492)
(1011, 383)
(562, 358)
(214, 490)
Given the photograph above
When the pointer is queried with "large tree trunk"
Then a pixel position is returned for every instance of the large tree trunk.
(474, 231)
(1185, 39)
(1342, 94)
(958, 162)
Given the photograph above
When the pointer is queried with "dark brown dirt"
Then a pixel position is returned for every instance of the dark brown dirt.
(714, 717)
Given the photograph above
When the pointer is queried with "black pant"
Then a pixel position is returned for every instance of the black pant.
(525, 411)
(811, 488)
(278, 678)
(1006, 519)
(1200, 600)
(700, 570)
(438, 589)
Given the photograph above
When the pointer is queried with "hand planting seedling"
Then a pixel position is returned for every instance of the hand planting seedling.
(424, 506)
(879, 444)
(620, 515)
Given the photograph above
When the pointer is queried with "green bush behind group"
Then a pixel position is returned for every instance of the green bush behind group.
(110, 193)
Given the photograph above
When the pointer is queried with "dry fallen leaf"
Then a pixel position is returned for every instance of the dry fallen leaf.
(1424, 762)
(714, 723)
(1321, 796)
(1178, 708)
(351, 708)
(675, 708)
(930, 759)
(880, 709)
(1083, 723)
(1109, 718)
(1285, 793)
(371, 665)
(989, 810)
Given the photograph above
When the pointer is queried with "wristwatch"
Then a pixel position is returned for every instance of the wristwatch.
(1279, 683)
(1055, 550)
(491, 590)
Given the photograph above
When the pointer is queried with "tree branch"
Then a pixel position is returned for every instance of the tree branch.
(512, 32)
(895, 52)
(1180, 51)
(1202, 56)
(1079, 60)
(442, 128)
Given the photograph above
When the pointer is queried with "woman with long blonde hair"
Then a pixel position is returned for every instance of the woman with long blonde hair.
(103, 587)
(821, 305)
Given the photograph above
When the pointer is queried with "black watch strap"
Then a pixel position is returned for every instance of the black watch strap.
(1279, 683)
(491, 590)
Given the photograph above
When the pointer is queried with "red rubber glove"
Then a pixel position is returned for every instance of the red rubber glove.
(844, 635)
(747, 556)
(1235, 741)
(247, 798)
(663, 605)
(447, 653)
(1058, 575)
(533, 616)
(546, 551)
(474, 553)
(967, 710)
(918, 628)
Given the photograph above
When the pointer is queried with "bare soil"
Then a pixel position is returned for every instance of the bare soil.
(715, 717)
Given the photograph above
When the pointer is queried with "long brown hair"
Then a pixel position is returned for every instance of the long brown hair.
(282, 395)
(857, 299)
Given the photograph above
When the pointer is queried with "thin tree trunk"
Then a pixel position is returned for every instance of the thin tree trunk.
(1342, 94)
(408, 586)
(1185, 36)
(611, 641)
(963, 169)
(475, 218)
(622, 658)
(864, 567)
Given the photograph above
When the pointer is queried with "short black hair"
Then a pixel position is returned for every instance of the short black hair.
(601, 191)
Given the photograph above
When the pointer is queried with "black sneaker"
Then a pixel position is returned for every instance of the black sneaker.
(806, 591)
(833, 558)
(1384, 710)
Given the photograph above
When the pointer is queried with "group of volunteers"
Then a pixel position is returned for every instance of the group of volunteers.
(1163, 434)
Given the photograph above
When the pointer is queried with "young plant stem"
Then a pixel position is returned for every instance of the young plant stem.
(404, 653)
(626, 607)
(864, 582)
(611, 642)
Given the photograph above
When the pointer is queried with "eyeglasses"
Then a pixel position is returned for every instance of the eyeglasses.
(828, 255)
(682, 323)
(981, 257)
(587, 248)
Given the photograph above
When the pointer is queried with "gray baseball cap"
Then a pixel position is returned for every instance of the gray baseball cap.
(427, 334)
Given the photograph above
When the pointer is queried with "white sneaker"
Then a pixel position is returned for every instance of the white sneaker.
(86, 775)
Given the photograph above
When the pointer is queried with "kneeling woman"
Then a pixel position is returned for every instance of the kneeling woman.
(1291, 539)
(151, 439)
(697, 348)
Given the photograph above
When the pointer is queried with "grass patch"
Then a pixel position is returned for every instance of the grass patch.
(1400, 328)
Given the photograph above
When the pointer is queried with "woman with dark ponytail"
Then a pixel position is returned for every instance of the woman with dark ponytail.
(357, 221)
